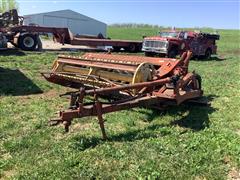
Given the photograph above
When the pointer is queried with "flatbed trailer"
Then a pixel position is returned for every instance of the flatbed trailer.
(117, 44)
(26, 38)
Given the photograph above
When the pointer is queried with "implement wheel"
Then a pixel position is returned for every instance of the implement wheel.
(197, 83)
(194, 84)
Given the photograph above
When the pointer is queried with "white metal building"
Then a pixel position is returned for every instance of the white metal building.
(76, 22)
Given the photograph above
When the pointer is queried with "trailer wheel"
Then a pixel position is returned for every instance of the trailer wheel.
(132, 48)
(27, 42)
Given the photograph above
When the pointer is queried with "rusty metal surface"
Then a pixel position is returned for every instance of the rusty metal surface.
(104, 42)
(99, 64)
(127, 58)
(112, 69)
(12, 25)
(170, 83)
(198, 42)
(64, 36)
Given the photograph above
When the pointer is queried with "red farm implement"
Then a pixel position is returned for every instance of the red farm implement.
(126, 81)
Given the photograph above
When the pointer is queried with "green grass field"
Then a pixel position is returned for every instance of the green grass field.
(185, 142)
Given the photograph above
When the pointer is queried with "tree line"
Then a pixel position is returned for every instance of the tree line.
(6, 5)
(136, 25)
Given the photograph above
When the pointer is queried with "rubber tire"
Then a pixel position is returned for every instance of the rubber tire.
(208, 54)
(199, 79)
(21, 44)
(172, 53)
(132, 48)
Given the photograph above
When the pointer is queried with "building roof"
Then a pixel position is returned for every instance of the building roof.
(64, 11)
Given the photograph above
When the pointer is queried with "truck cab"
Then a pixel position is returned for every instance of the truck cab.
(173, 43)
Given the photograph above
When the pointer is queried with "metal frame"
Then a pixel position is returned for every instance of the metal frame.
(172, 84)
(64, 36)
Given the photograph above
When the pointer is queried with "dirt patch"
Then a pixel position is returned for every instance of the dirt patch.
(8, 174)
(52, 46)
(200, 178)
(49, 95)
(59, 136)
(80, 126)
(238, 132)
(234, 174)
(6, 156)
(76, 128)
(235, 52)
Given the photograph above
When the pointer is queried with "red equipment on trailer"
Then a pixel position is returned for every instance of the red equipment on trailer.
(27, 37)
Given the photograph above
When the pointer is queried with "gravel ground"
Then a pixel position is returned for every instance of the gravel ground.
(52, 46)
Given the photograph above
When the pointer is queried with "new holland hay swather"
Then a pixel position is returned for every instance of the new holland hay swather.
(126, 81)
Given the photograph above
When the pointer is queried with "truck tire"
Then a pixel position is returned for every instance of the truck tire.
(208, 54)
(28, 42)
(172, 53)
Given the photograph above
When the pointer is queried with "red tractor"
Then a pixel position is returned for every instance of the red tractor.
(173, 43)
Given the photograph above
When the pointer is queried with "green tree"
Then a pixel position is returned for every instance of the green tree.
(6, 5)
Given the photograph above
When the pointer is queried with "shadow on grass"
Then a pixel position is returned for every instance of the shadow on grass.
(216, 58)
(197, 118)
(12, 52)
(213, 58)
(192, 117)
(82, 143)
(14, 82)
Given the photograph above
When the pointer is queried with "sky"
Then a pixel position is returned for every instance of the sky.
(218, 14)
